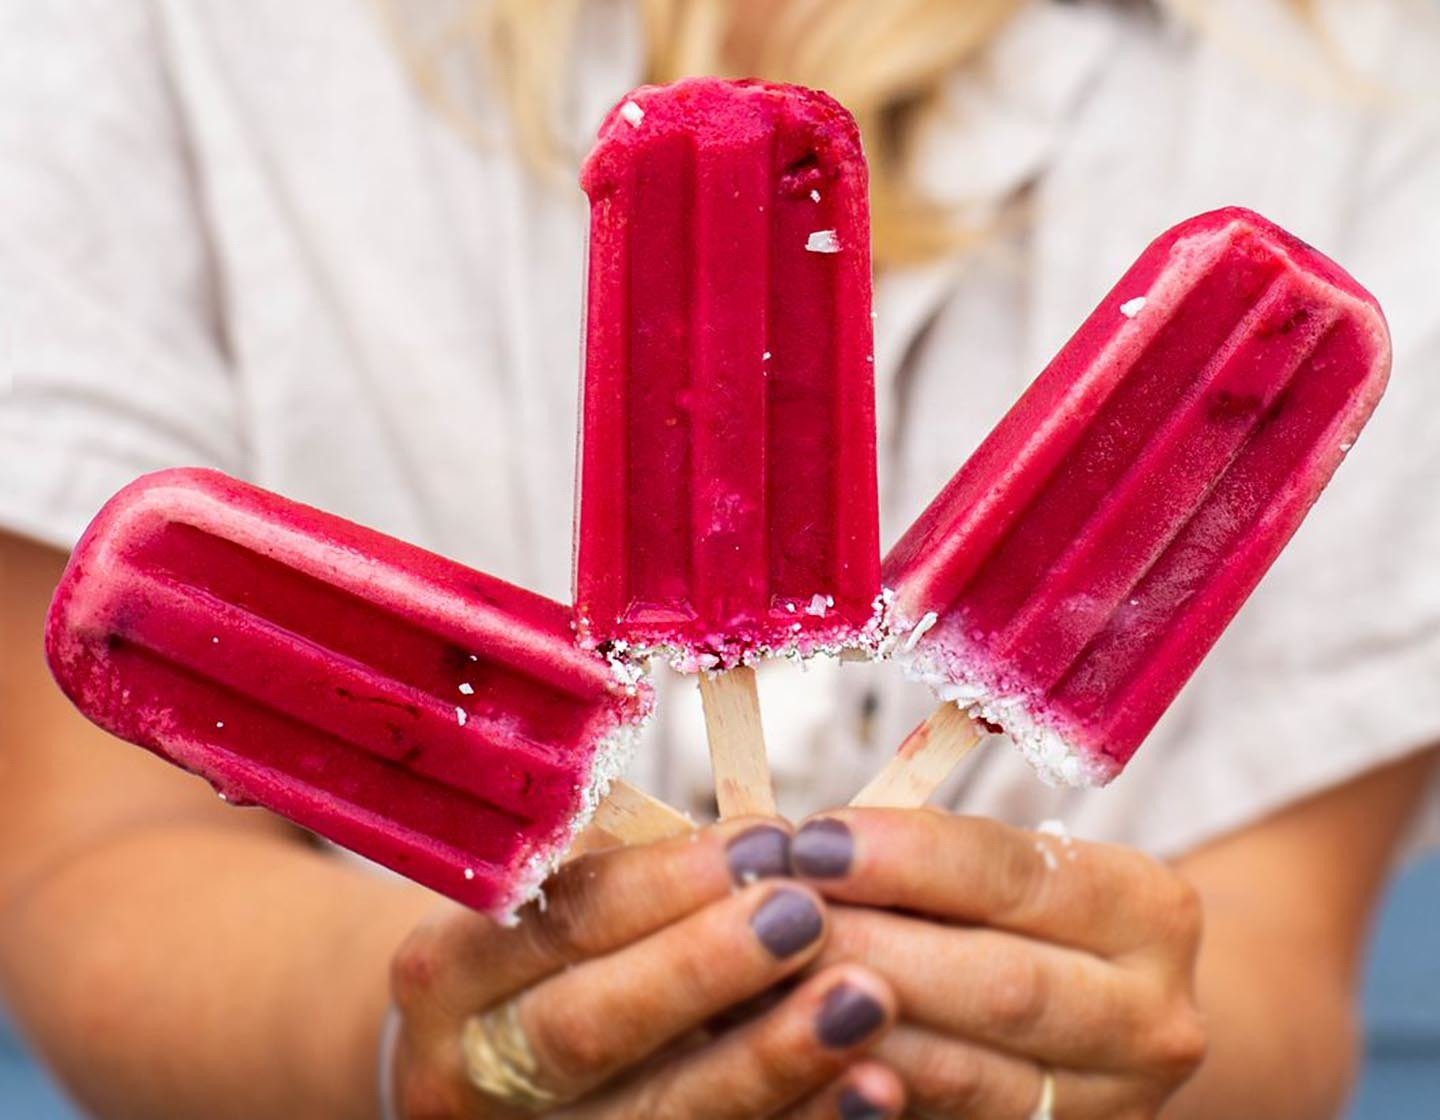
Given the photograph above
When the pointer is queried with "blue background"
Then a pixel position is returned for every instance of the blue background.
(1402, 1005)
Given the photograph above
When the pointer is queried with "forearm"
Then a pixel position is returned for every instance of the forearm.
(194, 969)
(1287, 904)
(1282, 1041)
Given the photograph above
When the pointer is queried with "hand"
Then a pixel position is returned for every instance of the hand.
(1013, 953)
(615, 978)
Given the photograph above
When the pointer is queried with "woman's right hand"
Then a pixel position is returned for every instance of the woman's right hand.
(615, 978)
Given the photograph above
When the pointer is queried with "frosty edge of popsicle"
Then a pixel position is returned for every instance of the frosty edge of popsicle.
(427, 716)
(1072, 575)
(728, 502)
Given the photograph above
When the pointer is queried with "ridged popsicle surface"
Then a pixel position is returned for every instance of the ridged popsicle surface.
(1072, 575)
(425, 715)
(727, 501)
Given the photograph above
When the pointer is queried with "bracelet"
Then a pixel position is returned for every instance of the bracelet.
(389, 1039)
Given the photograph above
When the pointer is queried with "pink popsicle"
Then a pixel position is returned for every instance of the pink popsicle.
(727, 490)
(1069, 579)
(728, 507)
(427, 716)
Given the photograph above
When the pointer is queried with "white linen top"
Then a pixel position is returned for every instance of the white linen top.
(235, 235)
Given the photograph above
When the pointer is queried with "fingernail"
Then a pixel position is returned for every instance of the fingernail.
(762, 852)
(848, 1017)
(787, 922)
(855, 1105)
(823, 849)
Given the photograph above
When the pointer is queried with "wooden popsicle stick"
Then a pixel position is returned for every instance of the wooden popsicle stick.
(737, 743)
(633, 816)
(629, 816)
(925, 759)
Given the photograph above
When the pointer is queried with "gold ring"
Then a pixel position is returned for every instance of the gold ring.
(500, 1062)
(1045, 1110)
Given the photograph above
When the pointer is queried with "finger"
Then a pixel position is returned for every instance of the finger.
(1105, 899)
(780, 1059)
(1026, 997)
(868, 1091)
(461, 961)
(591, 1022)
(946, 1077)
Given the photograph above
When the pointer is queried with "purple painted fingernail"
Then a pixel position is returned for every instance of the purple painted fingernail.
(848, 1017)
(855, 1105)
(787, 922)
(762, 852)
(823, 849)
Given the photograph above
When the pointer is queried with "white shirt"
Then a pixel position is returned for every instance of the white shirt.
(235, 235)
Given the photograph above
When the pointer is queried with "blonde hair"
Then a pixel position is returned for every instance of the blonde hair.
(886, 62)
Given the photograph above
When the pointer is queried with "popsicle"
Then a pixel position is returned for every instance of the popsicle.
(727, 507)
(1069, 579)
(431, 718)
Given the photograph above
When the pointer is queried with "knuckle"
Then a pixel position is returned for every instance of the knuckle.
(1177, 907)
(569, 1050)
(778, 1065)
(1018, 995)
(427, 1094)
(657, 1099)
(696, 979)
(1025, 880)
(563, 929)
(777, 1062)
(1187, 910)
(855, 935)
(948, 1080)
(415, 968)
(1178, 1043)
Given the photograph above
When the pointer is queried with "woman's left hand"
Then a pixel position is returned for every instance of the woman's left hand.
(1015, 954)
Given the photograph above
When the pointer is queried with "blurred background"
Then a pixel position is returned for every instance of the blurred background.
(1402, 1015)
(1401, 1078)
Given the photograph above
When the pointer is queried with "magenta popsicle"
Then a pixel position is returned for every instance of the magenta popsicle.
(1072, 575)
(727, 492)
(427, 716)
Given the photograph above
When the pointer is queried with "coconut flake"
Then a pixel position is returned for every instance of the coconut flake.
(467, 688)
(632, 113)
(814, 196)
(930, 619)
(1131, 308)
(460, 716)
(819, 604)
(823, 241)
(946, 672)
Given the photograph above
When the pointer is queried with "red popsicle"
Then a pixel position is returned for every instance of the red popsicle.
(1073, 574)
(728, 505)
(427, 716)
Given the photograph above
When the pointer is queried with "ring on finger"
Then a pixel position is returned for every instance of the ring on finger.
(500, 1062)
(1045, 1110)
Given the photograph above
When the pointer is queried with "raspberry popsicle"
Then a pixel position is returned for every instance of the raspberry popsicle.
(1069, 579)
(728, 505)
(429, 717)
